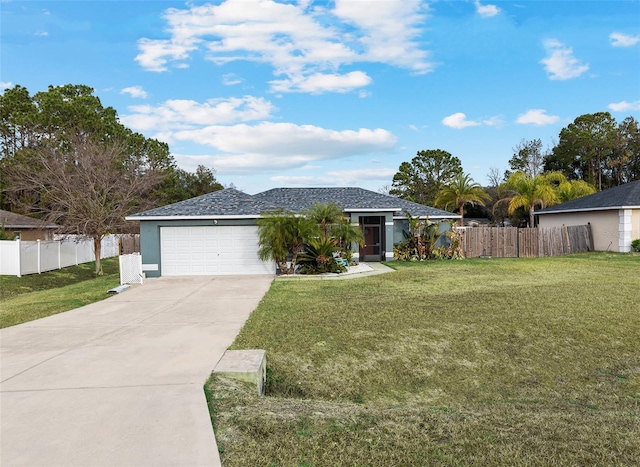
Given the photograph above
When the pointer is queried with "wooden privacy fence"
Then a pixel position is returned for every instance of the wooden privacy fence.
(129, 244)
(511, 242)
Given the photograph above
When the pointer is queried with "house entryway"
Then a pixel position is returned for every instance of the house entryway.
(373, 230)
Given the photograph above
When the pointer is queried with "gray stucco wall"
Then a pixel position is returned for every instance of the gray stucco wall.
(399, 226)
(388, 238)
(150, 239)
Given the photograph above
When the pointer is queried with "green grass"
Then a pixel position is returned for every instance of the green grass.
(474, 362)
(36, 296)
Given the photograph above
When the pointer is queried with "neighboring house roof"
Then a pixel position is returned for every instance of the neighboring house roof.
(625, 196)
(232, 203)
(11, 220)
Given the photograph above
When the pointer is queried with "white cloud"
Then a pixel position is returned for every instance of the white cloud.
(289, 139)
(319, 82)
(305, 44)
(335, 177)
(486, 11)
(135, 91)
(458, 121)
(231, 80)
(536, 117)
(42, 34)
(349, 177)
(561, 64)
(625, 106)
(386, 33)
(5, 84)
(268, 146)
(155, 54)
(240, 147)
(297, 180)
(493, 121)
(623, 40)
(180, 114)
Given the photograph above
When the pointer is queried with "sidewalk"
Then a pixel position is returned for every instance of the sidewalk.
(353, 272)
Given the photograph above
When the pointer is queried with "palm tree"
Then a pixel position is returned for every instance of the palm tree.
(460, 191)
(332, 222)
(573, 189)
(282, 235)
(325, 216)
(529, 192)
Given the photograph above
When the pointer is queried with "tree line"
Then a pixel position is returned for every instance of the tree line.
(67, 159)
(593, 153)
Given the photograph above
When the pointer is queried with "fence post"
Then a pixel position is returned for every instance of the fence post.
(38, 243)
(565, 231)
(59, 254)
(19, 257)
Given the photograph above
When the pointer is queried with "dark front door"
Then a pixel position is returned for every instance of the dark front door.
(372, 249)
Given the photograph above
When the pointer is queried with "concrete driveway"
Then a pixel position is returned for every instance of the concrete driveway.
(119, 382)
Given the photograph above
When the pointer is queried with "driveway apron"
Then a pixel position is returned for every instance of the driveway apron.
(119, 382)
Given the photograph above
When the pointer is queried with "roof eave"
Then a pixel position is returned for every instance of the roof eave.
(184, 218)
(371, 209)
(433, 216)
(602, 208)
(30, 226)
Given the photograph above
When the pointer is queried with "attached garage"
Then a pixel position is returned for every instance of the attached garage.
(211, 250)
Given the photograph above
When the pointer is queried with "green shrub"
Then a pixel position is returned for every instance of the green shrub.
(428, 240)
(636, 244)
(318, 257)
(4, 235)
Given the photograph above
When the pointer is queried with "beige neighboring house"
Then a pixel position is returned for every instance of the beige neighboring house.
(614, 215)
(26, 228)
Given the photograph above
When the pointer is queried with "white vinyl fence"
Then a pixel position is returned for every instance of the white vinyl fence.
(131, 269)
(18, 258)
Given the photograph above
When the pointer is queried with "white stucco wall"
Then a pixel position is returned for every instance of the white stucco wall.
(604, 226)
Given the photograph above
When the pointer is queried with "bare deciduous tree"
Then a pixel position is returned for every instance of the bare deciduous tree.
(88, 187)
(495, 177)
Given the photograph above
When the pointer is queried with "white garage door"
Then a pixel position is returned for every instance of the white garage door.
(214, 250)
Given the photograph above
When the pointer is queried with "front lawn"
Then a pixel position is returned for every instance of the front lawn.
(474, 362)
(36, 296)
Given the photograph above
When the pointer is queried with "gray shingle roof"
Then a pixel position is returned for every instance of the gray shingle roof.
(11, 220)
(227, 202)
(231, 202)
(349, 199)
(622, 196)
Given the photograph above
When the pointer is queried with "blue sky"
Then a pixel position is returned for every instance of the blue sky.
(333, 93)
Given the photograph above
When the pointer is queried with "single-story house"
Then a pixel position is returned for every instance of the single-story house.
(217, 234)
(614, 215)
(26, 228)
